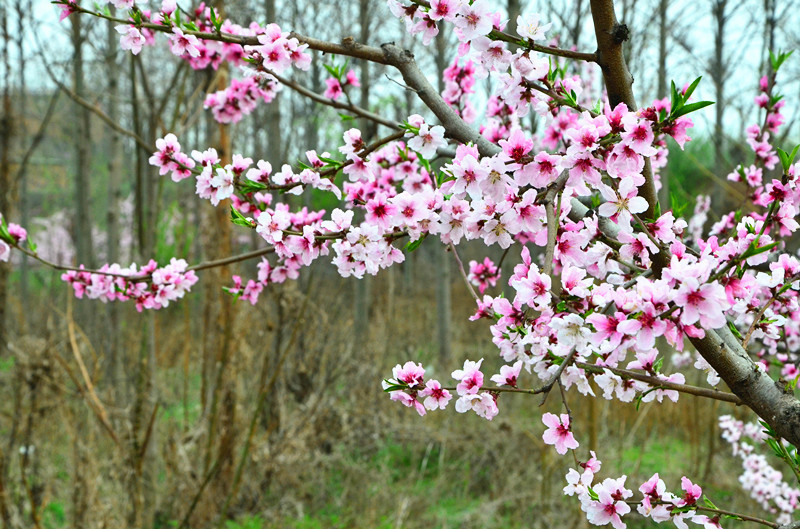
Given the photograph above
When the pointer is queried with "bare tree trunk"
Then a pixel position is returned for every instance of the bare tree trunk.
(113, 362)
(770, 24)
(5, 167)
(82, 230)
(218, 324)
(273, 110)
(23, 8)
(142, 440)
(514, 10)
(663, 5)
(719, 72)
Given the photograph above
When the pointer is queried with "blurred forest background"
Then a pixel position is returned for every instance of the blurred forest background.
(212, 413)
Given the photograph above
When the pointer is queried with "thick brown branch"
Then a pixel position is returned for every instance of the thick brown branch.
(619, 81)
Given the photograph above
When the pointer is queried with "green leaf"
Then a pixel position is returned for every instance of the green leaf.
(675, 98)
(658, 364)
(413, 245)
(239, 219)
(777, 61)
(683, 110)
(732, 517)
(751, 251)
(32, 245)
(236, 295)
(393, 386)
(332, 70)
(677, 205)
(690, 90)
(345, 117)
(794, 152)
(772, 443)
(784, 158)
(562, 306)
(250, 186)
(767, 428)
(709, 503)
(735, 331)
(4, 231)
(787, 159)
(425, 163)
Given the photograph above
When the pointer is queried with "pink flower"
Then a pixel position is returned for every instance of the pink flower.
(470, 378)
(508, 375)
(474, 21)
(67, 8)
(622, 202)
(334, 89)
(610, 504)
(558, 432)
(436, 397)
(407, 400)
(409, 373)
(351, 79)
(483, 404)
(181, 43)
(530, 27)
(483, 275)
(705, 303)
(692, 493)
(132, 39)
(444, 9)
(428, 140)
(380, 211)
(17, 232)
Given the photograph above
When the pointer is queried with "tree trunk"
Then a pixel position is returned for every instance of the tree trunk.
(82, 229)
(663, 5)
(23, 8)
(6, 182)
(719, 71)
(514, 10)
(113, 364)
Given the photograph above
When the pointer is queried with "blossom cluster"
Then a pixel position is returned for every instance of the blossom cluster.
(764, 483)
(483, 275)
(241, 98)
(115, 283)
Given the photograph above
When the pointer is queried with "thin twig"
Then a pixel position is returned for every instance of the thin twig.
(557, 376)
(464, 273)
